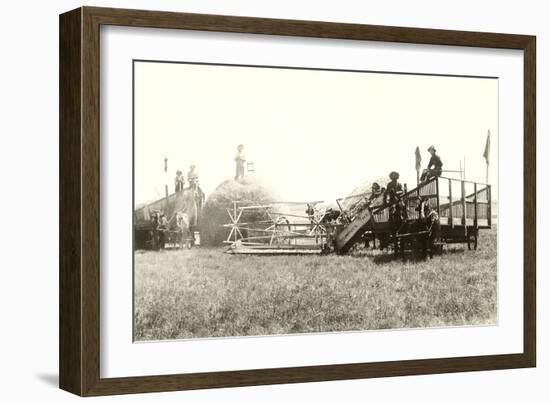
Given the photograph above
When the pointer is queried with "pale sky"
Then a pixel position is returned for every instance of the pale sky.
(312, 135)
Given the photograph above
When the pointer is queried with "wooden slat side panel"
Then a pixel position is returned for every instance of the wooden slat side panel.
(70, 344)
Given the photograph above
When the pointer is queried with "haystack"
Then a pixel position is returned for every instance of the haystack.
(214, 215)
(353, 197)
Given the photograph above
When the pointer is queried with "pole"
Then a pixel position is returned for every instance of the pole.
(487, 172)
(166, 183)
(418, 164)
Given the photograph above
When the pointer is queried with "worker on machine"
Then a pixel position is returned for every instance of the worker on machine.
(179, 181)
(393, 197)
(163, 223)
(193, 177)
(375, 192)
(394, 189)
(435, 166)
(310, 211)
(240, 160)
(374, 199)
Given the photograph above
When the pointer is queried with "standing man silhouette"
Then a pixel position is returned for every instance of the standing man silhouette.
(240, 160)
(179, 182)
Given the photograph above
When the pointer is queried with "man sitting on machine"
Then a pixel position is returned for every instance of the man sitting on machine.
(435, 166)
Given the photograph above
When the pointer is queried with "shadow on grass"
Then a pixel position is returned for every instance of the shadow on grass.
(410, 257)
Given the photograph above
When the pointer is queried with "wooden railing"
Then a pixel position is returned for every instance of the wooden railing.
(458, 202)
(469, 206)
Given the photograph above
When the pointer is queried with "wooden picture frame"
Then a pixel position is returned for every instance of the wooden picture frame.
(79, 317)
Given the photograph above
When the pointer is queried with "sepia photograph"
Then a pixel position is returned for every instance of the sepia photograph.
(275, 200)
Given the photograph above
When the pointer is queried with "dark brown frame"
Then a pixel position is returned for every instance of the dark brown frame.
(79, 201)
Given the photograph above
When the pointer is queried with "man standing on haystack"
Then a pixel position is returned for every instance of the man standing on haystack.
(240, 160)
(193, 179)
(179, 182)
(193, 176)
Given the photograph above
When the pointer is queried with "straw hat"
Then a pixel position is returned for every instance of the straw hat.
(394, 175)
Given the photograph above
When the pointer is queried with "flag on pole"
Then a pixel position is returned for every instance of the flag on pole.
(418, 161)
(487, 147)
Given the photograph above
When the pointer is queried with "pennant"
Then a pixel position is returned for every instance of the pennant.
(487, 147)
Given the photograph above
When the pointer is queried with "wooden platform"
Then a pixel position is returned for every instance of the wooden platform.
(272, 251)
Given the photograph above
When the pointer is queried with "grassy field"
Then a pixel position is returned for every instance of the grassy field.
(204, 292)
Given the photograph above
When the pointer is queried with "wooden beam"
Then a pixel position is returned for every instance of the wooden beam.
(463, 199)
(475, 205)
(489, 206)
(437, 192)
(451, 203)
(253, 251)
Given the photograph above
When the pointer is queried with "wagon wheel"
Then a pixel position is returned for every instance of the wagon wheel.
(278, 238)
(396, 243)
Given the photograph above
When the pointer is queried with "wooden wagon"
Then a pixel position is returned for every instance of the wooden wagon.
(458, 208)
(462, 208)
(156, 224)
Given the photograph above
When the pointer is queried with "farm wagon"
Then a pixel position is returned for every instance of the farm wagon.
(150, 232)
(463, 208)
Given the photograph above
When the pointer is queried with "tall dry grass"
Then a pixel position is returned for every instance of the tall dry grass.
(206, 293)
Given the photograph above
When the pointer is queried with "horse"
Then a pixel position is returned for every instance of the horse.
(188, 201)
(182, 225)
(424, 232)
(186, 209)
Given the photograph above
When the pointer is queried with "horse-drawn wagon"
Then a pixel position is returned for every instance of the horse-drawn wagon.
(172, 221)
(437, 212)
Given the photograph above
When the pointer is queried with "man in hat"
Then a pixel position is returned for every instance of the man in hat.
(193, 176)
(376, 191)
(435, 166)
(240, 160)
(179, 181)
(193, 179)
(394, 189)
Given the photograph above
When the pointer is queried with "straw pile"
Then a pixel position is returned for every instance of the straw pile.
(214, 213)
(357, 193)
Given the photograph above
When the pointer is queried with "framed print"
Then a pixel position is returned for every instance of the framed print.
(248, 201)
